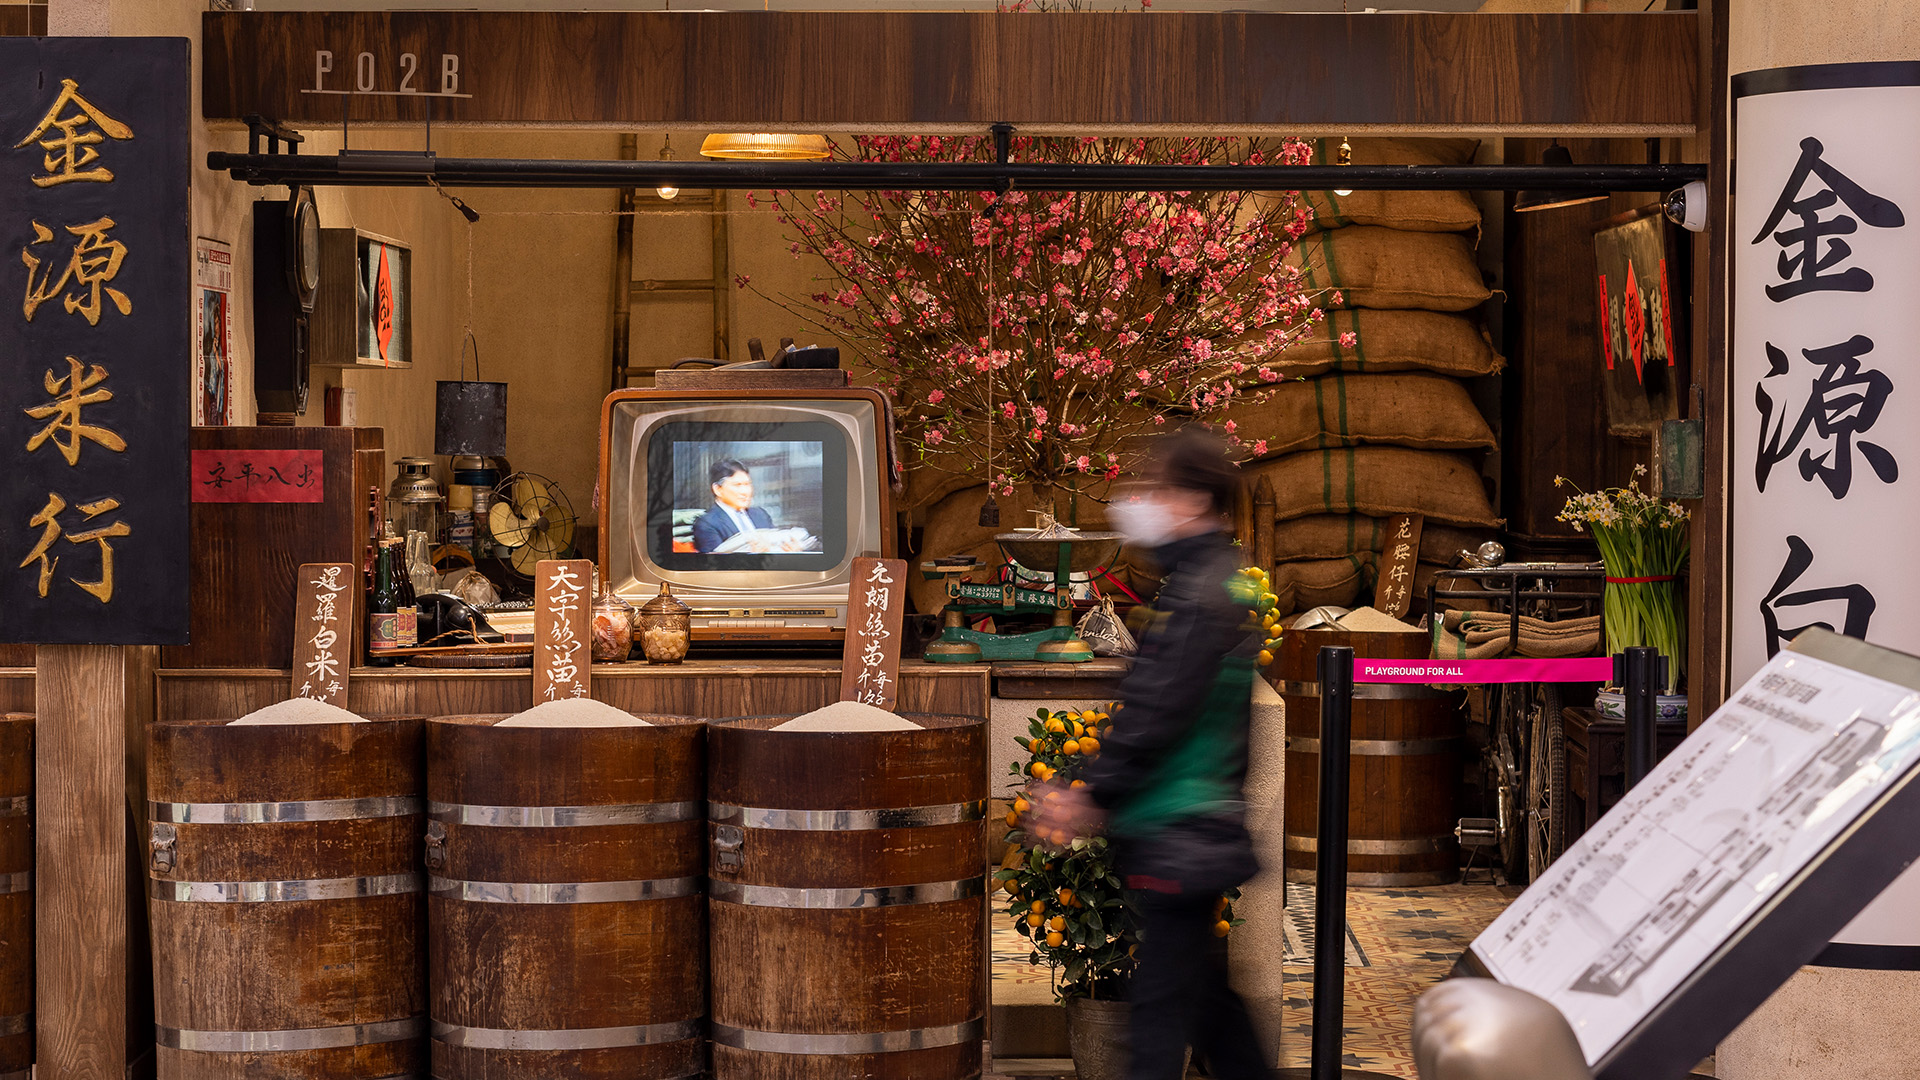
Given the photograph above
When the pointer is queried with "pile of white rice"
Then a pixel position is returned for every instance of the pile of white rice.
(299, 711)
(573, 713)
(1368, 620)
(848, 716)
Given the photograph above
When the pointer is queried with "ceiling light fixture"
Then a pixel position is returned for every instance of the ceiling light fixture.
(666, 191)
(1551, 198)
(1344, 156)
(766, 147)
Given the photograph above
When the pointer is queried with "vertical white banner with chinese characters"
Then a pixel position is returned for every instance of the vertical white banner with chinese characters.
(1825, 439)
(1826, 358)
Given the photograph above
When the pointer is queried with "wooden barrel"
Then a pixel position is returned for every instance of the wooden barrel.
(16, 896)
(566, 915)
(846, 899)
(288, 900)
(1404, 778)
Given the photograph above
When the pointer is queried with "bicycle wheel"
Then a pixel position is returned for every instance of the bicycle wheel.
(1546, 785)
(1509, 752)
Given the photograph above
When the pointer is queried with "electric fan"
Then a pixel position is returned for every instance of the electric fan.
(532, 519)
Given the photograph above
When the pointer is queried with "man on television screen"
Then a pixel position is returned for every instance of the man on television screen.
(733, 511)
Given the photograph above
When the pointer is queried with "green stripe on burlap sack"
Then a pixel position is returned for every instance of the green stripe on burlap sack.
(1386, 341)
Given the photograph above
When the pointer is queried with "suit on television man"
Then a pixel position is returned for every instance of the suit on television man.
(733, 511)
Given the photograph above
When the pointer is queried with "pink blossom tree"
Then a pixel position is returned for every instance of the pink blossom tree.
(1032, 337)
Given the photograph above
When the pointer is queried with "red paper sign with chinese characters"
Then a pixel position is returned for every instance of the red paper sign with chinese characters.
(258, 476)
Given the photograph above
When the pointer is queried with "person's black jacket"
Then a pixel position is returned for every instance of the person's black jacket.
(1195, 625)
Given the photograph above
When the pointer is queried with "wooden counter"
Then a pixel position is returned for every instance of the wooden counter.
(710, 689)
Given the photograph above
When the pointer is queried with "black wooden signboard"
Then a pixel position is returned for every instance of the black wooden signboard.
(95, 257)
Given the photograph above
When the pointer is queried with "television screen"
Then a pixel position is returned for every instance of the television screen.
(746, 496)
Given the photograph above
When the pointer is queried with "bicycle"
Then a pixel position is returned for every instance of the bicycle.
(1524, 763)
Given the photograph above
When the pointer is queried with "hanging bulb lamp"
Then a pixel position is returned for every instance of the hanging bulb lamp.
(1344, 156)
(1548, 199)
(765, 147)
(666, 191)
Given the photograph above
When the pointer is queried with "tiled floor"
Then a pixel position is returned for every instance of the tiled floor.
(1409, 939)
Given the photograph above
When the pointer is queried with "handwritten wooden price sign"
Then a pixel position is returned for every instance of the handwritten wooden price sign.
(323, 631)
(561, 657)
(1398, 562)
(870, 672)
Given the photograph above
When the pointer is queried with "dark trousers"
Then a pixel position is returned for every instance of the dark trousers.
(1181, 998)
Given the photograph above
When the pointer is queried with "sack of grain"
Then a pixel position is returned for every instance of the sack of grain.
(1373, 267)
(1379, 481)
(1419, 211)
(1317, 582)
(1430, 412)
(1332, 536)
(1388, 341)
(953, 528)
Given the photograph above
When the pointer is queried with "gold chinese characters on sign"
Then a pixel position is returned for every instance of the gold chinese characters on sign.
(70, 134)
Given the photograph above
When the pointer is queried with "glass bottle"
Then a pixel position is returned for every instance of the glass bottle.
(383, 610)
(665, 628)
(409, 603)
(612, 625)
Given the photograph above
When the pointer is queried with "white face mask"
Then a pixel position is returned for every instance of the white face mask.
(1144, 522)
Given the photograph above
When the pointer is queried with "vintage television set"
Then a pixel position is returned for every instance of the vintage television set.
(751, 504)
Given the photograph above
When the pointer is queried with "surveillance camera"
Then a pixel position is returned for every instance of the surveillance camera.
(1687, 206)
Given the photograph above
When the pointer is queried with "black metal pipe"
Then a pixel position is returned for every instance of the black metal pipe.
(1330, 873)
(387, 169)
(1645, 675)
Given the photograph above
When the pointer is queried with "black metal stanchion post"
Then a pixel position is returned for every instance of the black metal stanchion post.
(1330, 887)
(1330, 875)
(1642, 672)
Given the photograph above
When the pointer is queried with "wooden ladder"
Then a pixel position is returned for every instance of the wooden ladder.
(636, 203)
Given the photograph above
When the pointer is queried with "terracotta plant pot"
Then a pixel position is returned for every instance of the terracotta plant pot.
(1097, 1039)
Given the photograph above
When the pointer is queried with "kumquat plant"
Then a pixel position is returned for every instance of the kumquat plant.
(1253, 588)
(1063, 892)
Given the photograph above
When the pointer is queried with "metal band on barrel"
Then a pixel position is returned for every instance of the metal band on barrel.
(933, 892)
(903, 817)
(17, 806)
(865, 1042)
(1380, 747)
(260, 892)
(563, 892)
(17, 1024)
(562, 817)
(1365, 691)
(258, 813)
(566, 1038)
(1419, 845)
(325, 1038)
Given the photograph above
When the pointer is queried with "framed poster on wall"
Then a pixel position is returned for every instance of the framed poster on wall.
(1642, 300)
(213, 319)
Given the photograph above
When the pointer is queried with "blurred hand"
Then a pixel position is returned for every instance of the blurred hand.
(1059, 814)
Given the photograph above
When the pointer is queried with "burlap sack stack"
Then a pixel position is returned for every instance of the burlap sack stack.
(1355, 433)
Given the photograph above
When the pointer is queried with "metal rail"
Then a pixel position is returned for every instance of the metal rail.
(359, 168)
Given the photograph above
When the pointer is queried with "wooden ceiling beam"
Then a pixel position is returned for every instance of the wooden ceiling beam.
(943, 72)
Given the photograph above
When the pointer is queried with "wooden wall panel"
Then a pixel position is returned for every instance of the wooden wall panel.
(1554, 419)
(933, 71)
(23, 20)
(244, 556)
(707, 689)
(16, 690)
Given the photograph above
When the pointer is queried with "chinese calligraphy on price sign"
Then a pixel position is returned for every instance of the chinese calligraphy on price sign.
(1397, 563)
(561, 659)
(1826, 239)
(93, 222)
(870, 671)
(323, 631)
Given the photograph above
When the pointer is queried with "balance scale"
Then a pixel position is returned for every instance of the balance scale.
(1078, 552)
